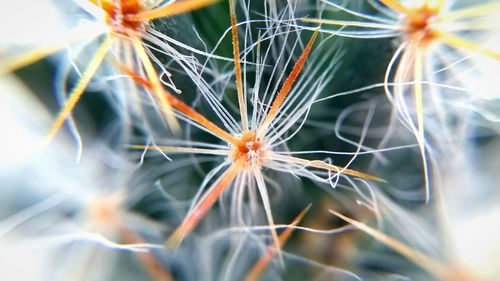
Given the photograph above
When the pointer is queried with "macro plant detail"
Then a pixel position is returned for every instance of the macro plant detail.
(249, 140)
(81, 221)
(249, 150)
(124, 26)
(434, 37)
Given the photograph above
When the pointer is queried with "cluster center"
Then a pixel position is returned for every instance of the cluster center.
(421, 25)
(117, 11)
(251, 148)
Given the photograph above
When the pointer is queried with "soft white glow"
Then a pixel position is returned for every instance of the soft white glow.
(30, 22)
(478, 243)
(21, 122)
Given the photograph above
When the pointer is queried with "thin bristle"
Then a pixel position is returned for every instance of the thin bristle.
(180, 149)
(324, 166)
(419, 107)
(433, 266)
(157, 87)
(171, 9)
(474, 11)
(266, 258)
(463, 44)
(79, 89)
(237, 67)
(155, 269)
(31, 57)
(350, 23)
(205, 204)
(181, 106)
(286, 87)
